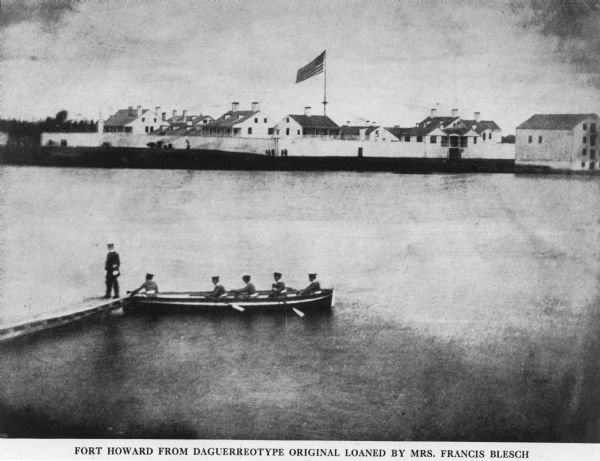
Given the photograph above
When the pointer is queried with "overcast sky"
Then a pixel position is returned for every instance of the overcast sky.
(388, 61)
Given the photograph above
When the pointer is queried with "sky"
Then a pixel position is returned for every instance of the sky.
(387, 61)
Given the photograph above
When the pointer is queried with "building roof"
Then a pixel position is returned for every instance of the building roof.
(314, 121)
(352, 130)
(435, 121)
(482, 125)
(410, 131)
(123, 117)
(554, 121)
(231, 118)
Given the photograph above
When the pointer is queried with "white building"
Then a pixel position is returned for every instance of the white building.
(239, 123)
(366, 133)
(293, 125)
(558, 141)
(134, 121)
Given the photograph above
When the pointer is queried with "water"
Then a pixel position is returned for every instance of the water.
(466, 306)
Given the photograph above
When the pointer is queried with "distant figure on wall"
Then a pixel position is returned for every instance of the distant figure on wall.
(112, 268)
(148, 288)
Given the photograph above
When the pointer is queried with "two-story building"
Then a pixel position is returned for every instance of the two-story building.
(134, 121)
(239, 123)
(564, 142)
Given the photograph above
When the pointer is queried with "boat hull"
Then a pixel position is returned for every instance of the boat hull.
(198, 302)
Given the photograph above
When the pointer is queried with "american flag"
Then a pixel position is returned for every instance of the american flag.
(313, 68)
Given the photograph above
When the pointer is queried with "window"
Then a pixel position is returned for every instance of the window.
(287, 131)
(592, 154)
(582, 164)
(584, 139)
(270, 131)
(146, 129)
(407, 138)
(584, 152)
(255, 119)
(419, 138)
(463, 141)
(298, 131)
(484, 137)
(444, 141)
(249, 130)
(539, 139)
(433, 139)
(593, 140)
(143, 119)
(287, 120)
(593, 127)
(474, 140)
(265, 120)
(277, 131)
(151, 129)
(155, 120)
(489, 135)
(592, 165)
(584, 126)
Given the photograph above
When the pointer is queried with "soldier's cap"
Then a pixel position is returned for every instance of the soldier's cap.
(245, 278)
(312, 275)
(149, 276)
(215, 277)
(277, 274)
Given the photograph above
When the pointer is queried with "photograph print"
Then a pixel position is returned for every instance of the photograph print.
(300, 220)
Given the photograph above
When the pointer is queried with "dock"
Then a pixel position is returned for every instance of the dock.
(70, 314)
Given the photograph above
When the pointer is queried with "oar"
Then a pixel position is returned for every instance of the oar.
(236, 306)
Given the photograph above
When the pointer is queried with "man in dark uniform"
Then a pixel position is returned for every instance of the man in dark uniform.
(111, 267)
(148, 288)
(278, 287)
(249, 291)
(312, 287)
(218, 290)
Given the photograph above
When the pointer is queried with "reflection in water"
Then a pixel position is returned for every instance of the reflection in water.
(465, 306)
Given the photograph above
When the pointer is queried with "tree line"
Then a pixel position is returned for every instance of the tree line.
(31, 131)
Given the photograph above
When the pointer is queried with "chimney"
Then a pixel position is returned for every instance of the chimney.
(432, 113)
(255, 106)
(307, 111)
(184, 114)
(454, 112)
(235, 106)
(477, 116)
(174, 113)
(130, 111)
(139, 110)
(164, 116)
(157, 110)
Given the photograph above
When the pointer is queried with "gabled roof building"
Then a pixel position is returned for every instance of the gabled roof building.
(243, 123)
(134, 121)
(306, 125)
(566, 142)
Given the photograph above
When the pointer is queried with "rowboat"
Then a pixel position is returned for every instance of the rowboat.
(263, 301)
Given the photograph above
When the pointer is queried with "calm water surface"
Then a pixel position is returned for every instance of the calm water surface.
(466, 306)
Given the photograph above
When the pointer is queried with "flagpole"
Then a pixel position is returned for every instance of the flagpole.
(325, 84)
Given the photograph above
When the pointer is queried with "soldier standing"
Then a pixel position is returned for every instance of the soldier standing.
(111, 267)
